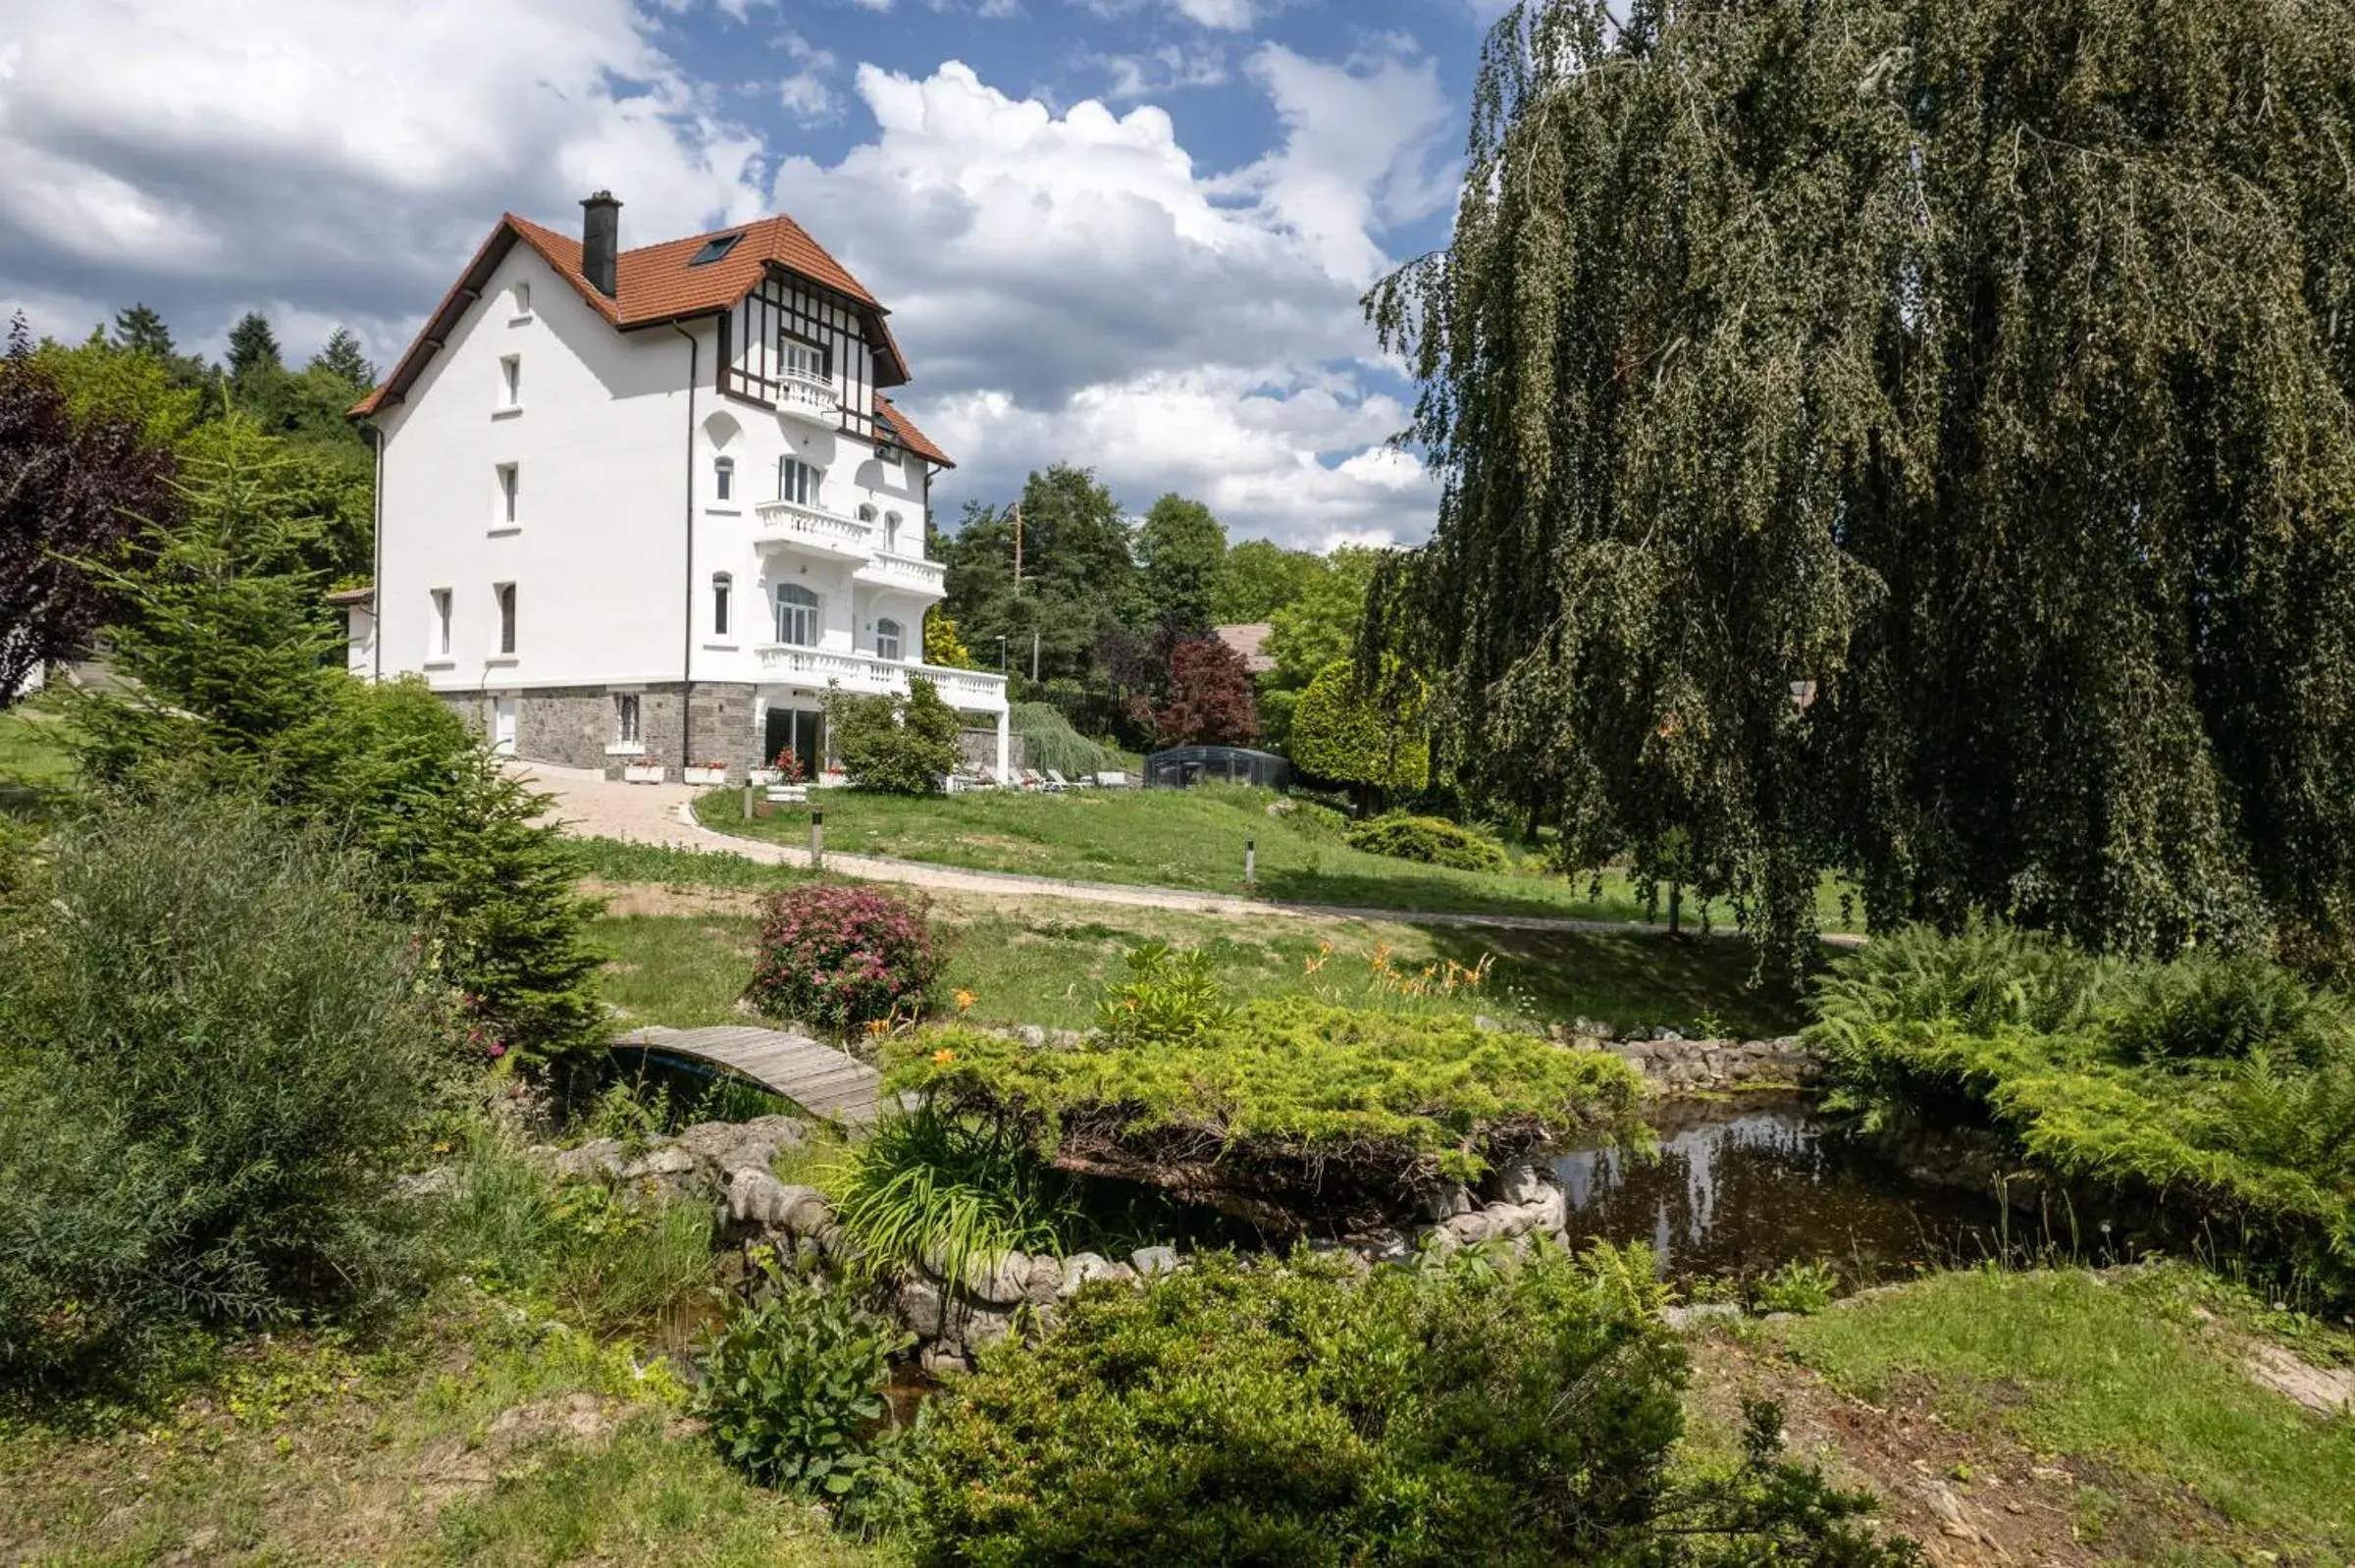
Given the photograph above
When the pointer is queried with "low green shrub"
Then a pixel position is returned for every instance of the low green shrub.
(1281, 1102)
(895, 744)
(2218, 1092)
(793, 1388)
(215, 1057)
(1431, 840)
(842, 954)
(1798, 1286)
(1491, 1411)
(1167, 997)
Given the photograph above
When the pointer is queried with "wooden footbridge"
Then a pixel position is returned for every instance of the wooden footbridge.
(822, 1081)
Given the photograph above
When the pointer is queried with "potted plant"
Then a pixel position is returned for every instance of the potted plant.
(705, 773)
(783, 768)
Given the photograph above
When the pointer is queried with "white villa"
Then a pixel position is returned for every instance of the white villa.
(643, 508)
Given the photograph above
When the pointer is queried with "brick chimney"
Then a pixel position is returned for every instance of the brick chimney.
(601, 240)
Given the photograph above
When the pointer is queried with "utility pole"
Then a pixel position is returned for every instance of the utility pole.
(1034, 652)
(1017, 546)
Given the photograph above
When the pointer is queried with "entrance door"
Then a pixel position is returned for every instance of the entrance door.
(503, 726)
(796, 730)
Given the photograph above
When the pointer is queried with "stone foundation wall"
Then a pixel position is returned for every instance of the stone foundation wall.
(1671, 1064)
(571, 726)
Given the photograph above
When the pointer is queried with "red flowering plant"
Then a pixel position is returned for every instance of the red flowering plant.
(843, 956)
(789, 767)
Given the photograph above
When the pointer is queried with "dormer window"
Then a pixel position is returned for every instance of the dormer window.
(714, 248)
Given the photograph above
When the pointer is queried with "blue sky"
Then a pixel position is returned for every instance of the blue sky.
(1129, 233)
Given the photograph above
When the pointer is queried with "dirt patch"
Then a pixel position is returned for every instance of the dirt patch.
(655, 897)
(1969, 1497)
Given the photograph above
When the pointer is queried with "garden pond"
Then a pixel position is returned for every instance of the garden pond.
(1739, 1185)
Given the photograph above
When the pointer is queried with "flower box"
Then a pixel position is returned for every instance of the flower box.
(704, 775)
(764, 776)
(644, 773)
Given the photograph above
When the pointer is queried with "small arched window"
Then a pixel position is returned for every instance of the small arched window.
(723, 478)
(887, 640)
(796, 615)
(722, 586)
(891, 534)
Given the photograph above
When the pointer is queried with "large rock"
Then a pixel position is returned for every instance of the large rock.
(660, 1163)
(1079, 1269)
(601, 1157)
(721, 1147)
(1153, 1262)
(1470, 1229)
(1046, 1280)
(1000, 1281)
(755, 1199)
(1520, 1183)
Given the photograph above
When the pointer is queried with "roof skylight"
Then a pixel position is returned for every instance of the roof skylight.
(714, 247)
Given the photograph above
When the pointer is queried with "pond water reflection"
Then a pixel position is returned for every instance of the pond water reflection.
(1742, 1186)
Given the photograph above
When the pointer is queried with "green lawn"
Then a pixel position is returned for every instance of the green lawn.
(1188, 839)
(1046, 965)
(2138, 1379)
(31, 760)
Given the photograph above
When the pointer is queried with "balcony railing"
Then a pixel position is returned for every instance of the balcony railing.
(790, 522)
(905, 571)
(805, 391)
(870, 676)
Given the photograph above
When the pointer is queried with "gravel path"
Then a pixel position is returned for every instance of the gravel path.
(658, 814)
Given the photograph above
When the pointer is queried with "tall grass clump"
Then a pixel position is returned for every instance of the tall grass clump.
(596, 1256)
(215, 1053)
(2217, 1090)
(931, 1187)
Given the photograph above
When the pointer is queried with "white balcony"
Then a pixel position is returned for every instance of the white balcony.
(870, 676)
(813, 528)
(808, 393)
(913, 572)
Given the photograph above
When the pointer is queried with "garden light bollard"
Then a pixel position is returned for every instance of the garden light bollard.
(818, 839)
(748, 803)
(1250, 863)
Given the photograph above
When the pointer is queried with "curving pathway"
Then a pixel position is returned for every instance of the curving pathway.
(596, 807)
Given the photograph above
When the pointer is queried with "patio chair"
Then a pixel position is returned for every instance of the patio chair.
(1056, 781)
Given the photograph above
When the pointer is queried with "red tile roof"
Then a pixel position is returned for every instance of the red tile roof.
(914, 440)
(654, 284)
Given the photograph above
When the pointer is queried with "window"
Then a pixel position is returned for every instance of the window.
(888, 455)
(721, 583)
(866, 514)
(802, 357)
(625, 718)
(887, 640)
(509, 493)
(505, 594)
(441, 630)
(723, 478)
(796, 615)
(714, 248)
(891, 533)
(523, 300)
(797, 480)
(511, 382)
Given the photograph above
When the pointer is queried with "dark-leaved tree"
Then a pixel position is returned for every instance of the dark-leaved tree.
(1915, 439)
(1209, 700)
(72, 491)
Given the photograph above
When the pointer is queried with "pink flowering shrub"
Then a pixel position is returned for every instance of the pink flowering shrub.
(843, 955)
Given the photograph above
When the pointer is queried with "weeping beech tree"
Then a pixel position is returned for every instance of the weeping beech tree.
(1986, 364)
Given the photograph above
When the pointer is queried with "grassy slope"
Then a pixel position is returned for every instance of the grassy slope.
(30, 751)
(2119, 1403)
(1190, 839)
(1038, 962)
(462, 1442)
